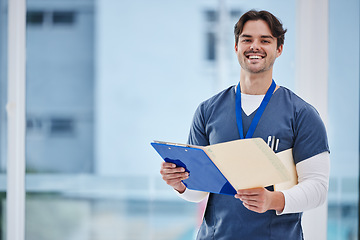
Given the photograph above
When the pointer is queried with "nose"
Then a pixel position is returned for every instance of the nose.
(254, 46)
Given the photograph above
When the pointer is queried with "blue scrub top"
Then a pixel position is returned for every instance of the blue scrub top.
(287, 117)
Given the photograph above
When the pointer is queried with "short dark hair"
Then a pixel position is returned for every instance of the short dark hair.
(275, 25)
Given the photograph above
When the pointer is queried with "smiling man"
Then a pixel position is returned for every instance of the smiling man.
(257, 107)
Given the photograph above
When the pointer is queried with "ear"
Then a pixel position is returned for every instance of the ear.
(236, 47)
(279, 50)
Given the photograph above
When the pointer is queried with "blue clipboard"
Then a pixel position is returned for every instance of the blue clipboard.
(203, 173)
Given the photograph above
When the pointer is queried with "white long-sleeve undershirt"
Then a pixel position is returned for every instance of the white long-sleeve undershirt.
(311, 191)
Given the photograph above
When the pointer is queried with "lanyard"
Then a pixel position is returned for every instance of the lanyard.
(258, 114)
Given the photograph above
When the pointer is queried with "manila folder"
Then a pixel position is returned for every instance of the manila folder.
(248, 163)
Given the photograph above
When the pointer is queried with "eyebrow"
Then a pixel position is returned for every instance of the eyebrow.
(262, 36)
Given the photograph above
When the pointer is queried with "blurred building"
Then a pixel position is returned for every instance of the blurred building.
(60, 86)
(105, 78)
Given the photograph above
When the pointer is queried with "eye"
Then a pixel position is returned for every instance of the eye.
(266, 41)
(246, 40)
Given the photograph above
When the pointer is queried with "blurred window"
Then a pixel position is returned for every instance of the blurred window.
(212, 26)
(61, 126)
(35, 17)
(63, 17)
(211, 43)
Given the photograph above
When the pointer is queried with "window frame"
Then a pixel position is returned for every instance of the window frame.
(15, 193)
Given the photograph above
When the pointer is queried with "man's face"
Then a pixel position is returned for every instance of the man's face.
(257, 48)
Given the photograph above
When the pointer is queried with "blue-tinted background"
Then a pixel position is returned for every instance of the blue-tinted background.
(105, 78)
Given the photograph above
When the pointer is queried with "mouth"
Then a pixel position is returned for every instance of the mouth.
(253, 56)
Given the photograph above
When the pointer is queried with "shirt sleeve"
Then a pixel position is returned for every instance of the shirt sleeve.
(310, 134)
(192, 195)
(197, 135)
(311, 191)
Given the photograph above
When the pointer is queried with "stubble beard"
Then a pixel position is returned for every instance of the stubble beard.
(256, 70)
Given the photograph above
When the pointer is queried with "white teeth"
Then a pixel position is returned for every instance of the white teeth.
(254, 57)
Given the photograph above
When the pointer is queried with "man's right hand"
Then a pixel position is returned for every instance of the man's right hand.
(173, 176)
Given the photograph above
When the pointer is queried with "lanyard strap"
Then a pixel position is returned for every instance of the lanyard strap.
(258, 114)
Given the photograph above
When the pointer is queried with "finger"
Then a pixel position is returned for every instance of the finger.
(243, 197)
(251, 203)
(251, 200)
(174, 182)
(255, 208)
(252, 207)
(259, 198)
(249, 192)
(248, 198)
(172, 170)
(168, 165)
(176, 175)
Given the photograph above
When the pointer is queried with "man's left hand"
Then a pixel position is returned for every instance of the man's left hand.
(260, 199)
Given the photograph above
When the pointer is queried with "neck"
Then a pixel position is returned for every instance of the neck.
(255, 84)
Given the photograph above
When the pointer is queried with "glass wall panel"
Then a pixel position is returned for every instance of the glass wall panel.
(343, 126)
(104, 79)
(3, 116)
